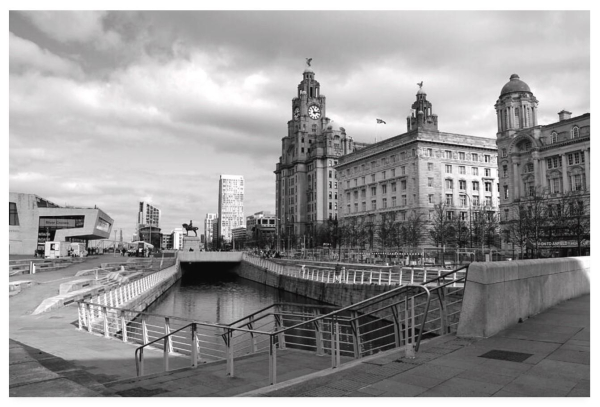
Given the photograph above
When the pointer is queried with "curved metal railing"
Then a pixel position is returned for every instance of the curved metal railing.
(400, 317)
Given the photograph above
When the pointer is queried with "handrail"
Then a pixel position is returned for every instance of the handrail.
(201, 323)
(356, 330)
(350, 307)
(277, 304)
(139, 349)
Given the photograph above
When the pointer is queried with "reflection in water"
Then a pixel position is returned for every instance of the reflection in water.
(222, 298)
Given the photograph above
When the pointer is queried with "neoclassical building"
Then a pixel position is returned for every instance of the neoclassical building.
(307, 187)
(414, 171)
(552, 159)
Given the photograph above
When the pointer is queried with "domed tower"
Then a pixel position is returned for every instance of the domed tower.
(422, 115)
(516, 108)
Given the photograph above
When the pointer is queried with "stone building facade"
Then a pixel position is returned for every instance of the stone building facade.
(552, 160)
(414, 171)
(306, 183)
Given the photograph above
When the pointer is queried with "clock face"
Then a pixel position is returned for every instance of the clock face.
(296, 113)
(314, 112)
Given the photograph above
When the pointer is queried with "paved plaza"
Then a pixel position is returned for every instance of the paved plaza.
(546, 355)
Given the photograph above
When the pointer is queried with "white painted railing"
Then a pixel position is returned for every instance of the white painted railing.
(120, 295)
(381, 276)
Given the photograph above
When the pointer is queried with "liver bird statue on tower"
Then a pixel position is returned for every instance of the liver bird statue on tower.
(308, 61)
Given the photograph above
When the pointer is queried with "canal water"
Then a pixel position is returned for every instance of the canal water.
(219, 296)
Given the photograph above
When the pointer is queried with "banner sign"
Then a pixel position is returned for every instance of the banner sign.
(563, 243)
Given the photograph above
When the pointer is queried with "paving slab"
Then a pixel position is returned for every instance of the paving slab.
(463, 372)
(572, 356)
(52, 388)
(70, 362)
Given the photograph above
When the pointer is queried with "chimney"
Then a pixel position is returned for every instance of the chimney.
(564, 115)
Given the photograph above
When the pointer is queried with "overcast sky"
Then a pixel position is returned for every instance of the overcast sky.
(112, 108)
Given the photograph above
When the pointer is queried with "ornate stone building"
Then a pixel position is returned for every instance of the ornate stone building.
(306, 182)
(412, 172)
(552, 160)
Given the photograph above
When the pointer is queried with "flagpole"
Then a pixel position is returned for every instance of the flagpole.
(376, 130)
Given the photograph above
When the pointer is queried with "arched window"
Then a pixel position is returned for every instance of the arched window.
(517, 121)
(575, 132)
(554, 137)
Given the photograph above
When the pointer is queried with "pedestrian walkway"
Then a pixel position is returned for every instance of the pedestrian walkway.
(546, 355)
(34, 373)
(55, 332)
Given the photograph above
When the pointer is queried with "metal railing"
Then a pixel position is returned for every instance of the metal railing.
(381, 275)
(402, 316)
(94, 314)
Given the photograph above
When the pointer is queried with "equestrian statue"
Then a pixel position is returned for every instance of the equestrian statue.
(190, 227)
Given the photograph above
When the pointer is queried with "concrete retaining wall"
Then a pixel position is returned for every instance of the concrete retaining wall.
(498, 294)
(141, 302)
(344, 295)
(336, 294)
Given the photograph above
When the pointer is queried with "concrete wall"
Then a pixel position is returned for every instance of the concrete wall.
(141, 302)
(344, 295)
(337, 294)
(498, 294)
(209, 257)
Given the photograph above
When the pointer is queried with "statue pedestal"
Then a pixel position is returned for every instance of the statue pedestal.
(191, 242)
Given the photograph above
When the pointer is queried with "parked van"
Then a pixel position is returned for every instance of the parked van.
(56, 250)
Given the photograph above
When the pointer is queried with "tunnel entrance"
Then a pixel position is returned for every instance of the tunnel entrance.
(208, 272)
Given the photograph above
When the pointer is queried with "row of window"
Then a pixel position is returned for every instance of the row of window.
(448, 154)
(462, 185)
(462, 170)
(464, 200)
(574, 134)
(384, 204)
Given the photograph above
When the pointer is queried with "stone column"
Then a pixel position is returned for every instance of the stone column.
(499, 114)
(542, 166)
(534, 112)
(522, 116)
(535, 155)
(565, 179)
(586, 155)
(515, 180)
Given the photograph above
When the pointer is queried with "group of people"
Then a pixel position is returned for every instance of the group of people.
(266, 254)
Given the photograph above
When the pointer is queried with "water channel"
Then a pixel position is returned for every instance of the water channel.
(218, 296)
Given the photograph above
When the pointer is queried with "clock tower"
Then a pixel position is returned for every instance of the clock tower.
(306, 182)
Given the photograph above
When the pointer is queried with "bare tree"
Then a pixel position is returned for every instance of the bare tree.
(385, 235)
(577, 217)
(515, 228)
(440, 225)
(461, 232)
(414, 227)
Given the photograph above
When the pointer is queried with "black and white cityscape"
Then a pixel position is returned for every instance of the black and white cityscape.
(309, 203)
